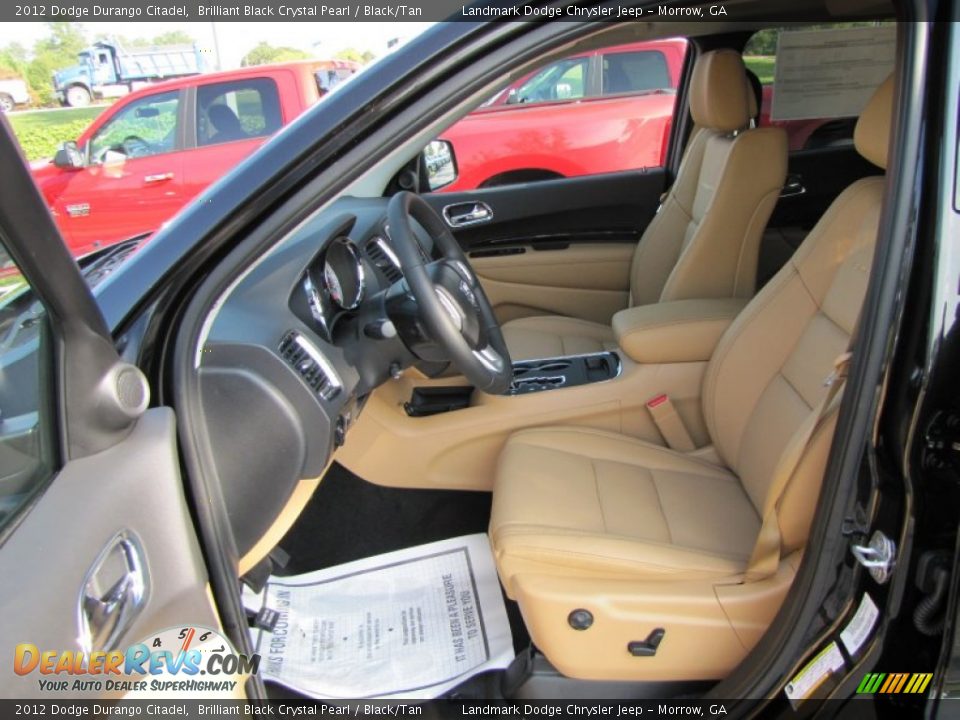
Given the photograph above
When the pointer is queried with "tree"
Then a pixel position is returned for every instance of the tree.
(58, 50)
(13, 60)
(354, 55)
(264, 53)
(175, 37)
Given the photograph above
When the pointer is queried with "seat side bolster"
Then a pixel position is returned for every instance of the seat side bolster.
(678, 331)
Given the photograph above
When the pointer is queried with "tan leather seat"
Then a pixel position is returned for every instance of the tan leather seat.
(593, 519)
(704, 241)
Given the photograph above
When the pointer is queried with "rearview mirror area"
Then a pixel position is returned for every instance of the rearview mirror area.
(69, 156)
(441, 164)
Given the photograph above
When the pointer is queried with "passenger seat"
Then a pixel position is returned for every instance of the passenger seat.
(704, 240)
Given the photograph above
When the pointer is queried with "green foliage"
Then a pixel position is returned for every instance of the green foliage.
(763, 42)
(13, 61)
(762, 65)
(264, 54)
(355, 55)
(175, 37)
(41, 133)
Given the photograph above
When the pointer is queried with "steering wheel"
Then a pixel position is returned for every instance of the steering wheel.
(135, 146)
(451, 303)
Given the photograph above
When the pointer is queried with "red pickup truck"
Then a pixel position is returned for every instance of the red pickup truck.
(153, 151)
(602, 111)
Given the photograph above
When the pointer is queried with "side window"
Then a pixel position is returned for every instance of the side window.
(143, 128)
(237, 110)
(814, 82)
(564, 80)
(618, 118)
(635, 72)
(27, 417)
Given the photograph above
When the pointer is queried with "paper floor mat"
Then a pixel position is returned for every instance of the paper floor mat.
(408, 624)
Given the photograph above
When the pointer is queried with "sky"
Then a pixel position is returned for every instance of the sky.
(235, 39)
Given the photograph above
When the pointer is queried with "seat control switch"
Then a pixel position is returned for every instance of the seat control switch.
(648, 647)
(580, 619)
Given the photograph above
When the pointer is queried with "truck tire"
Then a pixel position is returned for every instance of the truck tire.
(78, 96)
(6, 103)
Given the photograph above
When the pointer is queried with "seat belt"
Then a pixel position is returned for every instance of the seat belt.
(765, 558)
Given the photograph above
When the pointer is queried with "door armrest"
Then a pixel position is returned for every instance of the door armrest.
(676, 331)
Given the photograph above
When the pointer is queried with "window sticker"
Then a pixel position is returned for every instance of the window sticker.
(830, 73)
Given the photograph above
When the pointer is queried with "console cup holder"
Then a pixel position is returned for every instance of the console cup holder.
(553, 373)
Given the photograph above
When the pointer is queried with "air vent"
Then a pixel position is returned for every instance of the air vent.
(383, 258)
(310, 364)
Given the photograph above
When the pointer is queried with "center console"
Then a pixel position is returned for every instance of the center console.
(531, 376)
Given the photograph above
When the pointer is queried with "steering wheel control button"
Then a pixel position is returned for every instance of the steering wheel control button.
(580, 619)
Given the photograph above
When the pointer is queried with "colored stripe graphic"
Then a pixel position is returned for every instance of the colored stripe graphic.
(894, 683)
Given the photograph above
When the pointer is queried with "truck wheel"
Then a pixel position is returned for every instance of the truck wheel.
(6, 103)
(78, 96)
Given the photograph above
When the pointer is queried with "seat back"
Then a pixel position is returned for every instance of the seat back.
(704, 241)
(768, 372)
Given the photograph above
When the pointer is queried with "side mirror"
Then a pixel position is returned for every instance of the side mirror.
(513, 97)
(69, 156)
(441, 164)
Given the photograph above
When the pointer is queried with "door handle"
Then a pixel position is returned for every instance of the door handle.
(793, 186)
(114, 593)
(158, 178)
(465, 214)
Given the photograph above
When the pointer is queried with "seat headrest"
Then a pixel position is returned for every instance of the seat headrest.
(720, 94)
(872, 133)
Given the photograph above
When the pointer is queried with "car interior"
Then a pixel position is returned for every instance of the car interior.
(629, 381)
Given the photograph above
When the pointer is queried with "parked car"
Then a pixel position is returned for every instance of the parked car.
(144, 158)
(260, 390)
(107, 70)
(603, 111)
(13, 92)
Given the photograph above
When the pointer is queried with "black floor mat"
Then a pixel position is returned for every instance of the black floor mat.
(349, 519)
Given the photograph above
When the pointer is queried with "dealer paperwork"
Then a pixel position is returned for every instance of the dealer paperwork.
(409, 624)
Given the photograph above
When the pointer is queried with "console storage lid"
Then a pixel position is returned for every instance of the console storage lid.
(676, 331)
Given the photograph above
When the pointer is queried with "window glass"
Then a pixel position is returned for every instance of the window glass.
(604, 111)
(237, 110)
(27, 415)
(631, 72)
(564, 80)
(145, 127)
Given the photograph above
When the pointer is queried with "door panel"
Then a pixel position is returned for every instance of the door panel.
(133, 487)
(613, 207)
(814, 179)
(587, 280)
(103, 204)
(558, 246)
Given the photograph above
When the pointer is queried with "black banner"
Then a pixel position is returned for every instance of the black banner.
(865, 707)
(369, 11)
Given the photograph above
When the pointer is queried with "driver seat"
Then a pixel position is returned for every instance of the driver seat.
(704, 240)
(605, 540)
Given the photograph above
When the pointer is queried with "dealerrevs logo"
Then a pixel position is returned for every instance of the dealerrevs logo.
(181, 660)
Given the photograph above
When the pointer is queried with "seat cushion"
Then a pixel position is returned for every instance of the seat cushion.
(549, 336)
(579, 502)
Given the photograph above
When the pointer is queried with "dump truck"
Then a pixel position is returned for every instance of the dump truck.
(106, 69)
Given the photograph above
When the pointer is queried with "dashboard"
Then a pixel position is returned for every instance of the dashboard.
(301, 339)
